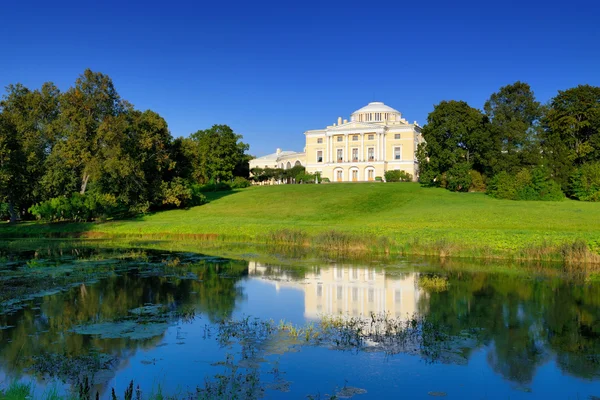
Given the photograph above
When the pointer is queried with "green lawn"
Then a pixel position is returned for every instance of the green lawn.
(398, 211)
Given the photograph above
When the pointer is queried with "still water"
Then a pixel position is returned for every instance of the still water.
(91, 320)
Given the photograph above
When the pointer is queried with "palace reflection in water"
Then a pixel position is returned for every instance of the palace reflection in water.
(350, 290)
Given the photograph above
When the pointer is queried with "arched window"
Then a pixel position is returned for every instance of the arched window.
(297, 163)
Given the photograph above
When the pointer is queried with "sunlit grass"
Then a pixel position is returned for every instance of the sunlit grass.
(403, 218)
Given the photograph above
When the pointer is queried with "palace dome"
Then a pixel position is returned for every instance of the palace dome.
(376, 106)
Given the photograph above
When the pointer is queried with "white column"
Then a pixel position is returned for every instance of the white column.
(347, 157)
(330, 148)
(384, 146)
(326, 152)
(362, 148)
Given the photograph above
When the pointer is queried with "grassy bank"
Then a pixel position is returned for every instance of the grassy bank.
(400, 218)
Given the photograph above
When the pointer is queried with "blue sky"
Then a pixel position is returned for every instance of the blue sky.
(272, 70)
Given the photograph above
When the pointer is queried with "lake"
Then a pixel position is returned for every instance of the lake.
(87, 319)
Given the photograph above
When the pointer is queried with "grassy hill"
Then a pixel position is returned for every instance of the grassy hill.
(405, 215)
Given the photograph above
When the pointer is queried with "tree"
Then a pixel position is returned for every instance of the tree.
(455, 133)
(513, 113)
(218, 151)
(571, 134)
(85, 107)
(30, 126)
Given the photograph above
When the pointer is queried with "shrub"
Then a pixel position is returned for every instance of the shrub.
(325, 180)
(477, 181)
(526, 185)
(585, 182)
(239, 182)
(397, 175)
(4, 214)
(458, 178)
(214, 187)
(77, 207)
(179, 193)
(378, 179)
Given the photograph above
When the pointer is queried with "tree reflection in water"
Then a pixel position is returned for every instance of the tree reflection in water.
(520, 321)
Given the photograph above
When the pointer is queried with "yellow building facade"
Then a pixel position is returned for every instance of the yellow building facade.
(376, 139)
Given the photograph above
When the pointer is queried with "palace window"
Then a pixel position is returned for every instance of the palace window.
(371, 153)
(320, 140)
(355, 138)
(340, 291)
(320, 156)
(339, 155)
(371, 137)
(377, 116)
(397, 136)
(354, 155)
(397, 153)
(320, 290)
(340, 138)
(371, 295)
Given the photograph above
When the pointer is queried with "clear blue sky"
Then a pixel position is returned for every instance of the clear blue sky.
(272, 70)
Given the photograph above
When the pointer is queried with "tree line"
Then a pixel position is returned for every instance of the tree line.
(516, 148)
(87, 153)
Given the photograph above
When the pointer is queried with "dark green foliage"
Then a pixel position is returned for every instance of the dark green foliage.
(571, 135)
(525, 185)
(78, 207)
(458, 178)
(513, 113)
(585, 182)
(455, 133)
(378, 179)
(397, 175)
(179, 193)
(214, 187)
(240, 182)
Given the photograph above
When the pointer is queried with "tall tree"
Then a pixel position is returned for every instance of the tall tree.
(571, 135)
(513, 113)
(85, 107)
(31, 115)
(219, 151)
(455, 133)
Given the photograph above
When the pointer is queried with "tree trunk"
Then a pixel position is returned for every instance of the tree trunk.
(12, 212)
(86, 178)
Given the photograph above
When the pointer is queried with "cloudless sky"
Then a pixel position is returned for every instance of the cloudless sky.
(272, 70)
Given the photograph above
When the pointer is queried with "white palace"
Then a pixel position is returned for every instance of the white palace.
(375, 139)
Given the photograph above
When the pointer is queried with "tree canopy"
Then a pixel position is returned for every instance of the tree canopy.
(90, 141)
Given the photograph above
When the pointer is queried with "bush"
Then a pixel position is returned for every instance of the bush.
(396, 175)
(77, 207)
(239, 182)
(378, 179)
(526, 185)
(325, 180)
(4, 214)
(584, 184)
(458, 178)
(214, 187)
(477, 182)
(180, 194)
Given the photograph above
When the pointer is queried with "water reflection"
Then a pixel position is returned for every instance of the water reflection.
(520, 323)
(349, 290)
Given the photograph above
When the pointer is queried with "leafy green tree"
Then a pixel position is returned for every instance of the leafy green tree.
(455, 133)
(31, 116)
(571, 135)
(513, 113)
(218, 151)
(92, 102)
